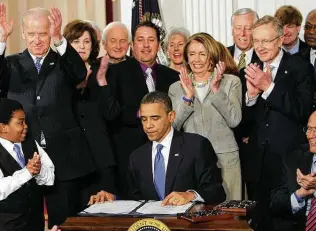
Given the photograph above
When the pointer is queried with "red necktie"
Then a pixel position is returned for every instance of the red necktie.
(311, 217)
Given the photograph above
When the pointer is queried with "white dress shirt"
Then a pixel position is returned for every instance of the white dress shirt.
(313, 56)
(274, 66)
(237, 54)
(12, 183)
(296, 206)
(60, 49)
(166, 142)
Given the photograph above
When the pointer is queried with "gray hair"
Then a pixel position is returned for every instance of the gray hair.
(94, 25)
(275, 22)
(243, 11)
(35, 12)
(112, 25)
(310, 13)
(179, 31)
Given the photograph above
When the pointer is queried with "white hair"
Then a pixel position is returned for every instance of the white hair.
(176, 30)
(113, 25)
(35, 12)
(243, 11)
(94, 25)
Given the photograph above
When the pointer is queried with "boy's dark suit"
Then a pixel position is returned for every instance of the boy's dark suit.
(191, 166)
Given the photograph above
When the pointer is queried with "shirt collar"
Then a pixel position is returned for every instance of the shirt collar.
(294, 49)
(144, 67)
(166, 142)
(276, 62)
(238, 52)
(8, 145)
(43, 57)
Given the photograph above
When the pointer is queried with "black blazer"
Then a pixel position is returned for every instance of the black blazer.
(302, 46)
(193, 168)
(47, 99)
(299, 157)
(126, 88)
(90, 113)
(246, 124)
(279, 119)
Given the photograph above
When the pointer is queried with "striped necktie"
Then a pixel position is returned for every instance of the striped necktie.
(311, 217)
(149, 80)
(242, 61)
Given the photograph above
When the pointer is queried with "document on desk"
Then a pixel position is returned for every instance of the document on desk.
(113, 207)
(154, 207)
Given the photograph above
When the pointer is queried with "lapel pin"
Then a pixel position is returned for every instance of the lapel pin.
(51, 64)
(176, 154)
(285, 72)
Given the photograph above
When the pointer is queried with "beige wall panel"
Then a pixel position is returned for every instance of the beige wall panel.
(93, 10)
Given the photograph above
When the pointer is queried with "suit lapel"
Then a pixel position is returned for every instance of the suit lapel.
(28, 67)
(285, 63)
(47, 66)
(175, 158)
(306, 163)
(139, 78)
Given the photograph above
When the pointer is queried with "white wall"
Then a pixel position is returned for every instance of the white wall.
(211, 16)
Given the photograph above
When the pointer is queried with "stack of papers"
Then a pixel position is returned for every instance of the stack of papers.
(113, 207)
(135, 208)
(156, 208)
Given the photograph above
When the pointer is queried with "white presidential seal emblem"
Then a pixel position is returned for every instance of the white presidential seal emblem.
(148, 224)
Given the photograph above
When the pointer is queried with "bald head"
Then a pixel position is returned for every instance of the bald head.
(311, 132)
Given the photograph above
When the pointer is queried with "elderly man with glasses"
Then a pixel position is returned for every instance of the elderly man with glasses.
(279, 96)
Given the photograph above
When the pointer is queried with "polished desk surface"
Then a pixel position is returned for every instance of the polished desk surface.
(174, 224)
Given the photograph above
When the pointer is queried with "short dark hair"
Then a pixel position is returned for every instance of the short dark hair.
(147, 24)
(75, 29)
(7, 109)
(158, 97)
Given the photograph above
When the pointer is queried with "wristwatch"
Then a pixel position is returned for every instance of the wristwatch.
(58, 43)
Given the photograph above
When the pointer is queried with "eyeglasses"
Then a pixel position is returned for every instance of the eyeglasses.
(310, 27)
(309, 129)
(264, 42)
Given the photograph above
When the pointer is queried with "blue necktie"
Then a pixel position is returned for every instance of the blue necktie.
(38, 63)
(159, 173)
(21, 159)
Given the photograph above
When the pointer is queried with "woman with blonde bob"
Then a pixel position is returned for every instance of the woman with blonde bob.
(208, 102)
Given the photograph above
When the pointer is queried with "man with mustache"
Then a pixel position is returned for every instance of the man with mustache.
(125, 84)
(291, 19)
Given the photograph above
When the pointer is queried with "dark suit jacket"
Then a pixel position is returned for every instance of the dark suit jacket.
(47, 99)
(301, 158)
(305, 54)
(126, 88)
(91, 116)
(279, 119)
(246, 124)
(194, 168)
(302, 46)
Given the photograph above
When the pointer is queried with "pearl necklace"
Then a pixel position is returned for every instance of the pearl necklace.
(201, 85)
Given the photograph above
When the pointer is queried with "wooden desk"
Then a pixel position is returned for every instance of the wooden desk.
(174, 224)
